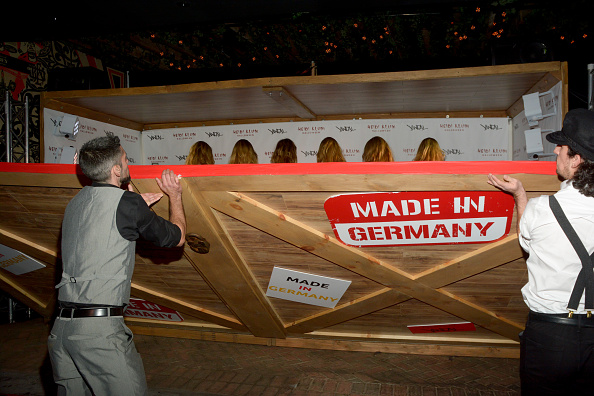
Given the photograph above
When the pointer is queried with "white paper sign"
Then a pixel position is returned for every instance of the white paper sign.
(306, 288)
(16, 262)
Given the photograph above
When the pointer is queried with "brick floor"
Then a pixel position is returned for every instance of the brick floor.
(178, 367)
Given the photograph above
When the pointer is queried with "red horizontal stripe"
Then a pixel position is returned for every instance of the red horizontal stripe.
(340, 168)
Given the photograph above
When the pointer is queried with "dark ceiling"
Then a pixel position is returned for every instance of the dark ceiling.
(67, 20)
(164, 42)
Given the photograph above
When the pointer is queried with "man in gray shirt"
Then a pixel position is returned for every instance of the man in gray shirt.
(91, 349)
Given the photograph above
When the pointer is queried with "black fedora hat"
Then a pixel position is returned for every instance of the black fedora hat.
(577, 133)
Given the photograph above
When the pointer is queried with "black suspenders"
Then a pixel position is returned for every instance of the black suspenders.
(585, 279)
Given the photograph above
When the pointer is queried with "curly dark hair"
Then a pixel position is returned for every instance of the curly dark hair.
(98, 156)
(583, 178)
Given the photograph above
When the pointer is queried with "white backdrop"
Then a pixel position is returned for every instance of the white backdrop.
(468, 139)
(462, 139)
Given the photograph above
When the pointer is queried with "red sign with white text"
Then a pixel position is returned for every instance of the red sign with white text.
(420, 217)
(139, 308)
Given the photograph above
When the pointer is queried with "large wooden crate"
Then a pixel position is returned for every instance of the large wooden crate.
(256, 217)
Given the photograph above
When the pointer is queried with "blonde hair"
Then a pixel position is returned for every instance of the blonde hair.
(377, 150)
(330, 151)
(243, 153)
(200, 154)
(285, 152)
(429, 150)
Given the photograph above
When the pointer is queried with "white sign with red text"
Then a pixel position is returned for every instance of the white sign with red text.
(139, 308)
(420, 217)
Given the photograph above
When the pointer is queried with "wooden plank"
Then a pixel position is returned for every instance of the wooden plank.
(28, 247)
(222, 267)
(53, 180)
(480, 260)
(543, 67)
(348, 344)
(483, 259)
(11, 284)
(185, 307)
(356, 183)
(275, 223)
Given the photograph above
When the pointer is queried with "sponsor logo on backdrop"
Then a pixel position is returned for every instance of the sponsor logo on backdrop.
(452, 152)
(420, 218)
(130, 138)
(418, 127)
(213, 134)
(53, 149)
(219, 156)
(310, 153)
(307, 130)
(155, 137)
(87, 129)
(181, 157)
(492, 152)
(131, 160)
(454, 127)
(245, 132)
(381, 127)
(277, 131)
(306, 288)
(351, 152)
(491, 127)
(345, 129)
(157, 159)
(184, 135)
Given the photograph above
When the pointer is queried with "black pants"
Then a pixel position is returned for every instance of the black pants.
(556, 359)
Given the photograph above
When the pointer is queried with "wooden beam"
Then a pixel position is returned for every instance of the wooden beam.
(275, 223)
(415, 75)
(363, 182)
(223, 267)
(479, 348)
(28, 247)
(52, 180)
(483, 259)
(185, 307)
(480, 260)
(11, 284)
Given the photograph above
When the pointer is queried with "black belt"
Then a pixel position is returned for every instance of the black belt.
(581, 320)
(90, 312)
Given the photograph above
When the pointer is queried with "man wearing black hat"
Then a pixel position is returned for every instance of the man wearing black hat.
(557, 346)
